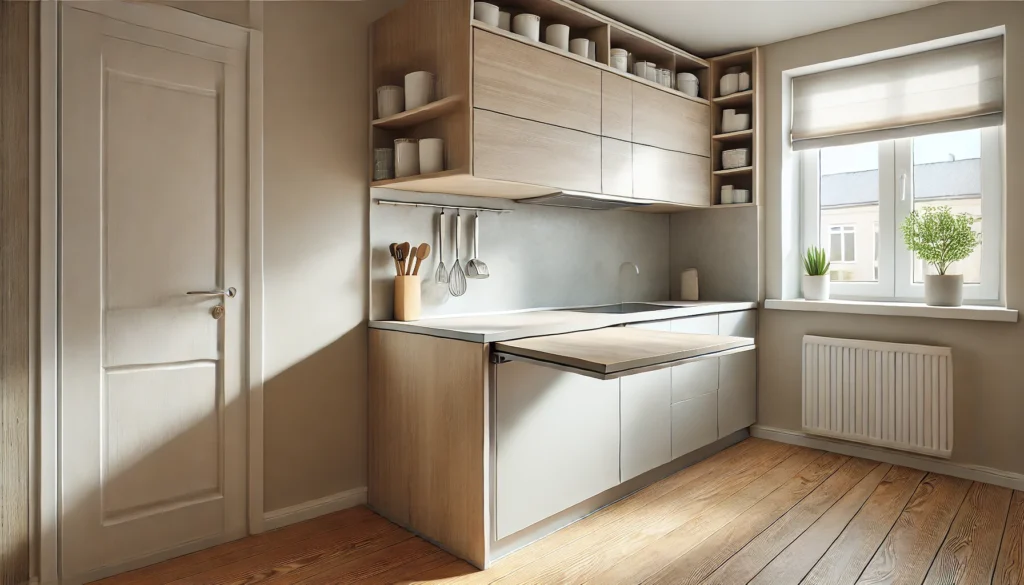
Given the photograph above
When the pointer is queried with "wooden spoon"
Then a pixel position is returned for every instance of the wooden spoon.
(403, 249)
(393, 248)
(421, 254)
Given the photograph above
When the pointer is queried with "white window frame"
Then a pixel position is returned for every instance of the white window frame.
(895, 160)
(842, 242)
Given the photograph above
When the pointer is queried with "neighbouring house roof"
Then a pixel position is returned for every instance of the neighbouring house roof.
(942, 180)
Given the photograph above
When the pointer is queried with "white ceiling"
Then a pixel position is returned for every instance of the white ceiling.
(708, 27)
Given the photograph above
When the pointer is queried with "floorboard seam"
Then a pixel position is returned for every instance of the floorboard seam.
(881, 542)
(1002, 537)
(949, 527)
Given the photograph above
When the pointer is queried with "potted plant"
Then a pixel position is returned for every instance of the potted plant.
(940, 238)
(816, 281)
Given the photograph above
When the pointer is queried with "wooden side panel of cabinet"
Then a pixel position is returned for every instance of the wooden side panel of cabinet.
(737, 392)
(666, 175)
(616, 107)
(616, 167)
(513, 149)
(517, 79)
(670, 122)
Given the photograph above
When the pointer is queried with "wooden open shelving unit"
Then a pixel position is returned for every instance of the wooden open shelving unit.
(748, 101)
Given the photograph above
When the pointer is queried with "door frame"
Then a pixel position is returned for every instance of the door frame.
(46, 446)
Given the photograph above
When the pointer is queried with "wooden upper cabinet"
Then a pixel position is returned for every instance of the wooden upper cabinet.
(616, 107)
(507, 148)
(670, 122)
(616, 167)
(666, 175)
(516, 79)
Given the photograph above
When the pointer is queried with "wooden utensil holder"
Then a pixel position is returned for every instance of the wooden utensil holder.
(407, 298)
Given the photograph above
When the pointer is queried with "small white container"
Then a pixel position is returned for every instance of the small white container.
(383, 164)
(486, 13)
(527, 25)
(816, 288)
(733, 122)
(729, 84)
(665, 77)
(647, 70)
(431, 155)
(741, 196)
(407, 157)
(727, 195)
(688, 285)
(419, 89)
(592, 50)
(620, 59)
(743, 81)
(736, 158)
(390, 100)
(580, 47)
(557, 35)
(687, 83)
(505, 20)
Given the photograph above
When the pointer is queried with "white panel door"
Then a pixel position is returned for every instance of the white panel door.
(646, 421)
(737, 393)
(694, 423)
(153, 170)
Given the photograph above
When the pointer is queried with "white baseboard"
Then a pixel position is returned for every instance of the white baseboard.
(313, 508)
(972, 472)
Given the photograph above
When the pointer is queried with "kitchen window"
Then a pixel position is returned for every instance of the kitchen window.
(862, 192)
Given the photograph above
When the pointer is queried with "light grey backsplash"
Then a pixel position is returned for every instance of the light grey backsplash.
(722, 245)
(538, 256)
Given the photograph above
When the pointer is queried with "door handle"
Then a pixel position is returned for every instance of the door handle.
(229, 293)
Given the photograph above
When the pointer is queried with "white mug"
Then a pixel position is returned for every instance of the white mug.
(486, 13)
(580, 47)
(620, 59)
(527, 25)
(419, 89)
(557, 35)
(431, 155)
(390, 100)
(407, 157)
(505, 20)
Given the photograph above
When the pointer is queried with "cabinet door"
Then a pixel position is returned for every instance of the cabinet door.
(737, 392)
(616, 107)
(523, 151)
(557, 442)
(616, 167)
(694, 379)
(517, 79)
(666, 175)
(671, 122)
(694, 424)
(646, 422)
(738, 324)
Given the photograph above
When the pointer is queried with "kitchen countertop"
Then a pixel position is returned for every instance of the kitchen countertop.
(533, 323)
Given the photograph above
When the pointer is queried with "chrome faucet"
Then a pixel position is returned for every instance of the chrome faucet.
(631, 269)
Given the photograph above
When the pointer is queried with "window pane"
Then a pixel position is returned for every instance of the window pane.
(947, 172)
(848, 191)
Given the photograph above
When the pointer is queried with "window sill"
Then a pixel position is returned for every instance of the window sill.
(894, 309)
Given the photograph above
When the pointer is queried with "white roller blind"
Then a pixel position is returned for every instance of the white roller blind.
(953, 88)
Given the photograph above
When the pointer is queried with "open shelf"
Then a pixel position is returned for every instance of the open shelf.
(740, 98)
(735, 137)
(400, 180)
(737, 171)
(419, 115)
(721, 205)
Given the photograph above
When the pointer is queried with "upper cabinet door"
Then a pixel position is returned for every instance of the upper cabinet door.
(513, 149)
(666, 175)
(671, 122)
(516, 79)
(616, 107)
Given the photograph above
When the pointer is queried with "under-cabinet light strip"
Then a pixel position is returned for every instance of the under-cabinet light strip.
(438, 206)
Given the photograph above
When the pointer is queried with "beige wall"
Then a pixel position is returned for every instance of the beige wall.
(989, 372)
(316, 198)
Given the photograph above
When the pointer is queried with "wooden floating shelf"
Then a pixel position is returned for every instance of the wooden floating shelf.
(740, 136)
(737, 171)
(720, 205)
(736, 99)
(400, 180)
(418, 115)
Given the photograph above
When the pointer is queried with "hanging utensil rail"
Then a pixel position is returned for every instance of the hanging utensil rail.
(439, 206)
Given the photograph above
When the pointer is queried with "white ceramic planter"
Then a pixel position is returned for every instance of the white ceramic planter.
(816, 288)
(944, 290)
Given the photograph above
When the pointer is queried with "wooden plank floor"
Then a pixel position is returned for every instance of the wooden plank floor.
(759, 512)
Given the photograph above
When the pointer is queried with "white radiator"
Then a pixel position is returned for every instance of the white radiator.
(888, 394)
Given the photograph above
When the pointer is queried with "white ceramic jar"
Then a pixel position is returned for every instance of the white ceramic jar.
(486, 13)
(407, 157)
(527, 25)
(687, 83)
(390, 100)
(557, 35)
(431, 155)
(620, 59)
(419, 89)
(505, 20)
(729, 84)
(580, 47)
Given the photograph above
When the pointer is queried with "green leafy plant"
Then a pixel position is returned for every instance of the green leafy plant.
(816, 262)
(940, 237)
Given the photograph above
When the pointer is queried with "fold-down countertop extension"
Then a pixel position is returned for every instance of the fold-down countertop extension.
(620, 351)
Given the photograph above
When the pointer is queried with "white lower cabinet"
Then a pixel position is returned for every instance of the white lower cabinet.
(694, 423)
(646, 424)
(557, 442)
(694, 379)
(737, 392)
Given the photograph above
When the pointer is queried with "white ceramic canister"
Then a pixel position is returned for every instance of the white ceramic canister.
(743, 81)
(431, 155)
(505, 20)
(729, 84)
(527, 25)
(687, 83)
(486, 13)
(419, 89)
(646, 70)
(580, 47)
(620, 59)
(390, 100)
(726, 196)
(557, 35)
(407, 157)
(592, 50)
(741, 195)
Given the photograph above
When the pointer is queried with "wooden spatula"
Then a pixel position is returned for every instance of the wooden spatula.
(404, 250)
(422, 252)
(393, 248)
